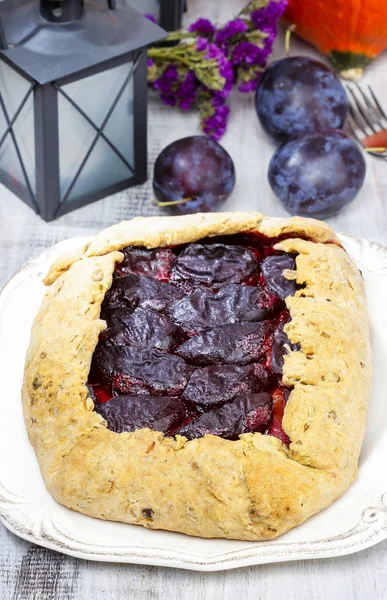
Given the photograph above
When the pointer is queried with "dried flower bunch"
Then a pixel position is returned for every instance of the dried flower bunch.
(200, 66)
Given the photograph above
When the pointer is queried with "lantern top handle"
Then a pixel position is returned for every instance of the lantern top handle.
(65, 11)
(78, 35)
(57, 11)
(61, 11)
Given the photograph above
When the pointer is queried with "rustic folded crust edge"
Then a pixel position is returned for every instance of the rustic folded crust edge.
(251, 489)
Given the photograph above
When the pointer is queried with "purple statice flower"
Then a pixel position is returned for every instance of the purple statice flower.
(201, 44)
(165, 85)
(186, 72)
(266, 18)
(213, 52)
(203, 27)
(214, 123)
(249, 54)
(151, 18)
(225, 68)
(166, 80)
(230, 30)
(249, 86)
(177, 88)
(186, 91)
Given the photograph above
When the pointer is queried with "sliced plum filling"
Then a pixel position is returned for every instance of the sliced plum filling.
(195, 339)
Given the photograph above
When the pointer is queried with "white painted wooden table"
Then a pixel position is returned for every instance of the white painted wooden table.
(28, 572)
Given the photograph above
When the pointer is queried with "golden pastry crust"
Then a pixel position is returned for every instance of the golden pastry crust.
(251, 489)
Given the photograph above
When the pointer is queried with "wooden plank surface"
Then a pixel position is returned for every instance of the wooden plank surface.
(28, 572)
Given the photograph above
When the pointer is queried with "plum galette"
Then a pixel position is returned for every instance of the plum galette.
(207, 374)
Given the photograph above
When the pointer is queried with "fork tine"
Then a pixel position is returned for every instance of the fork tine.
(357, 119)
(377, 103)
(370, 105)
(353, 129)
(360, 109)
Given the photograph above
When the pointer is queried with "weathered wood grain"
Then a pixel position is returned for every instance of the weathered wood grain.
(28, 572)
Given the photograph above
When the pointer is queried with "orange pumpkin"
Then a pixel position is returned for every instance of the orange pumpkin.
(349, 32)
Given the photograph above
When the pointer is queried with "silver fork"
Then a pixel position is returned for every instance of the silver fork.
(367, 120)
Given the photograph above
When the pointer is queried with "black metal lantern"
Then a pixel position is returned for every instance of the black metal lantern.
(73, 100)
(169, 13)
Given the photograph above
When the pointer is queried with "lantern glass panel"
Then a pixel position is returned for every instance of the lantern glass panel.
(10, 168)
(95, 96)
(13, 90)
(120, 127)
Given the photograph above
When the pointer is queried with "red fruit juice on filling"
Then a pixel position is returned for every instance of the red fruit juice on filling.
(160, 268)
(102, 393)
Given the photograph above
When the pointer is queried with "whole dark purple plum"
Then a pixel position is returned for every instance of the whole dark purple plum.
(195, 168)
(298, 94)
(317, 174)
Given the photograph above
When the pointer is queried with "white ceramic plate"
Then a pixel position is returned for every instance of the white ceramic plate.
(354, 522)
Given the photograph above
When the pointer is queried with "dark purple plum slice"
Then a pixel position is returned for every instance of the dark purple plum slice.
(188, 328)
(129, 385)
(127, 413)
(214, 263)
(155, 263)
(116, 316)
(281, 345)
(157, 371)
(133, 290)
(246, 413)
(217, 384)
(286, 393)
(239, 343)
(272, 270)
(232, 304)
(143, 328)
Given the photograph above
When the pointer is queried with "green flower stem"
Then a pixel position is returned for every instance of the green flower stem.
(257, 37)
(206, 70)
(179, 34)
